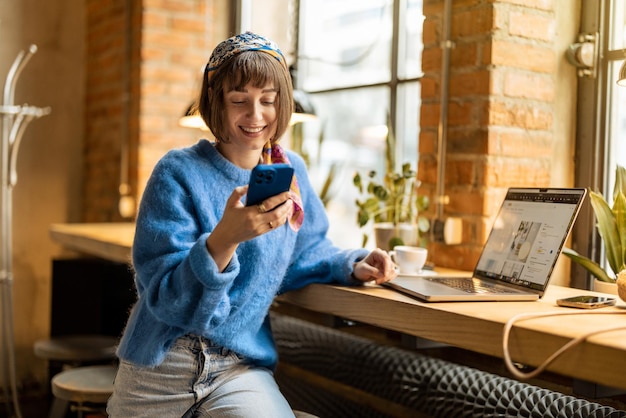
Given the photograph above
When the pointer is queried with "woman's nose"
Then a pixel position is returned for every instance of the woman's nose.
(255, 111)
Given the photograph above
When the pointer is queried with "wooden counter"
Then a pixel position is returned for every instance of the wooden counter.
(478, 326)
(475, 326)
(110, 241)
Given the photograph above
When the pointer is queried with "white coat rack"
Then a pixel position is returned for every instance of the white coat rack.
(15, 119)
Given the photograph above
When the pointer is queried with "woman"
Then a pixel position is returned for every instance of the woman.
(198, 341)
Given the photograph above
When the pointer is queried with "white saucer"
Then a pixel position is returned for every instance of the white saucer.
(421, 273)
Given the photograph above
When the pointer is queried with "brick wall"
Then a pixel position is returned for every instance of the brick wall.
(176, 43)
(105, 107)
(143, 69)
(501, 105)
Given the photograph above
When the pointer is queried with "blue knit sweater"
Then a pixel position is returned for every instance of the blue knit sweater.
(180, 289)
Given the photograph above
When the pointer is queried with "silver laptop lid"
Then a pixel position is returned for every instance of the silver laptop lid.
(527, 236)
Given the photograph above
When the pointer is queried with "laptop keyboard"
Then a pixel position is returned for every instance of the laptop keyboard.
(470, 285)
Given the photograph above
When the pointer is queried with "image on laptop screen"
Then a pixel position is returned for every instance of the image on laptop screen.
(527, 236)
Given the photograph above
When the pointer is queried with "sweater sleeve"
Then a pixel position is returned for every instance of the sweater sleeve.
(315, 258)
(175, 274)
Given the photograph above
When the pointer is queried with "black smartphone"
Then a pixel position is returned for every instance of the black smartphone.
(586, 302)
(268, 180)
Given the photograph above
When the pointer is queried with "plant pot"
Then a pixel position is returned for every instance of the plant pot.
(384, 232)
(621, 285)
(604, 287)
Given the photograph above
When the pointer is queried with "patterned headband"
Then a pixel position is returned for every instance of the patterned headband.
(239, 43)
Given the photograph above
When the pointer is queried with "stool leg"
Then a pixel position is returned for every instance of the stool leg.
(59, 408)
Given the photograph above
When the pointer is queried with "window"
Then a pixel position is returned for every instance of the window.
(360, 62)
(601, 130)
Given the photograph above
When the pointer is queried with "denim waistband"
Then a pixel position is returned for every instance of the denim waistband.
(194, 341)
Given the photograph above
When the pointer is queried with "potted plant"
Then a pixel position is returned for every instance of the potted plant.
(611, 224)
(393, 206)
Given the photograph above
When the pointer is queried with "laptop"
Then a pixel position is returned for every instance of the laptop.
(520, 253)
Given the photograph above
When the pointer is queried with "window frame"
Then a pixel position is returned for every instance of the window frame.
(394, 84)
(592, 166)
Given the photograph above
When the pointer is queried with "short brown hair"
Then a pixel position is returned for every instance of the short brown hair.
(256, 67)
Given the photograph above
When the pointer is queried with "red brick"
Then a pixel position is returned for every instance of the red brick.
(429, 115)
(459, 113)
(431, 60)
(532, 26)
(469, 23)
(517, 142)
(470, 84)
(524, 56)
(528, 85)
(430, 32)
(547, 5)
(429, 88)
(464, 54)
(466, 140)
(427, 142)
(466, 201)
(503, 172)
(460, 172)
(527, 115)
(462, 257)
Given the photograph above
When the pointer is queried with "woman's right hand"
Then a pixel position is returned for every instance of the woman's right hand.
(241, 223)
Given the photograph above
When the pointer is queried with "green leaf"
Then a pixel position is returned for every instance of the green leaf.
(619, 211)
(325, 194)
(395, 241)
(607, 227)
(356, 180)
(362, 217)
(620, 181)
(423, 224)
(591, 266)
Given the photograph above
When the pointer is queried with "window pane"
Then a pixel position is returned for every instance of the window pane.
(344, 43)
(411, 46)
(617, 36)
(354, 129)
(616, 143)
(261, 17)
(408, 127)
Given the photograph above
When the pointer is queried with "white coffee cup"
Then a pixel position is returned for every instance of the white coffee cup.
(410, 260)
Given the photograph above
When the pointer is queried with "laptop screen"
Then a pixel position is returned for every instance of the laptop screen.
(528, 234)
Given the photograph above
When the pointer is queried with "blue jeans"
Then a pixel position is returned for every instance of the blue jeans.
(197, 379)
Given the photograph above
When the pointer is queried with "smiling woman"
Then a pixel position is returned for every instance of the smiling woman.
(208, 267)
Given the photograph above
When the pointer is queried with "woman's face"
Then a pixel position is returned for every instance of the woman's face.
(251, 116)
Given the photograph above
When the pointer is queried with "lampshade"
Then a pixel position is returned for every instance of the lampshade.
(621, 78)
(304, 110)
(192, 119)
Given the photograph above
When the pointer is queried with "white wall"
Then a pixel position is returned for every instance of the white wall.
(49, 158)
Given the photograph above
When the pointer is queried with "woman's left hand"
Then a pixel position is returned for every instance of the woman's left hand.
(377, 267)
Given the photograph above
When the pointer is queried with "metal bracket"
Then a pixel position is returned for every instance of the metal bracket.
(584, 54)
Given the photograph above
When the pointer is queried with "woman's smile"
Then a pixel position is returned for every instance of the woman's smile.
(252, 129)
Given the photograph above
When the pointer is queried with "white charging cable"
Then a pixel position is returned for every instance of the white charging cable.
(521, 317)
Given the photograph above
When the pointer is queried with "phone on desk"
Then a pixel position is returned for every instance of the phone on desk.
(268, 180)
(586, 302)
